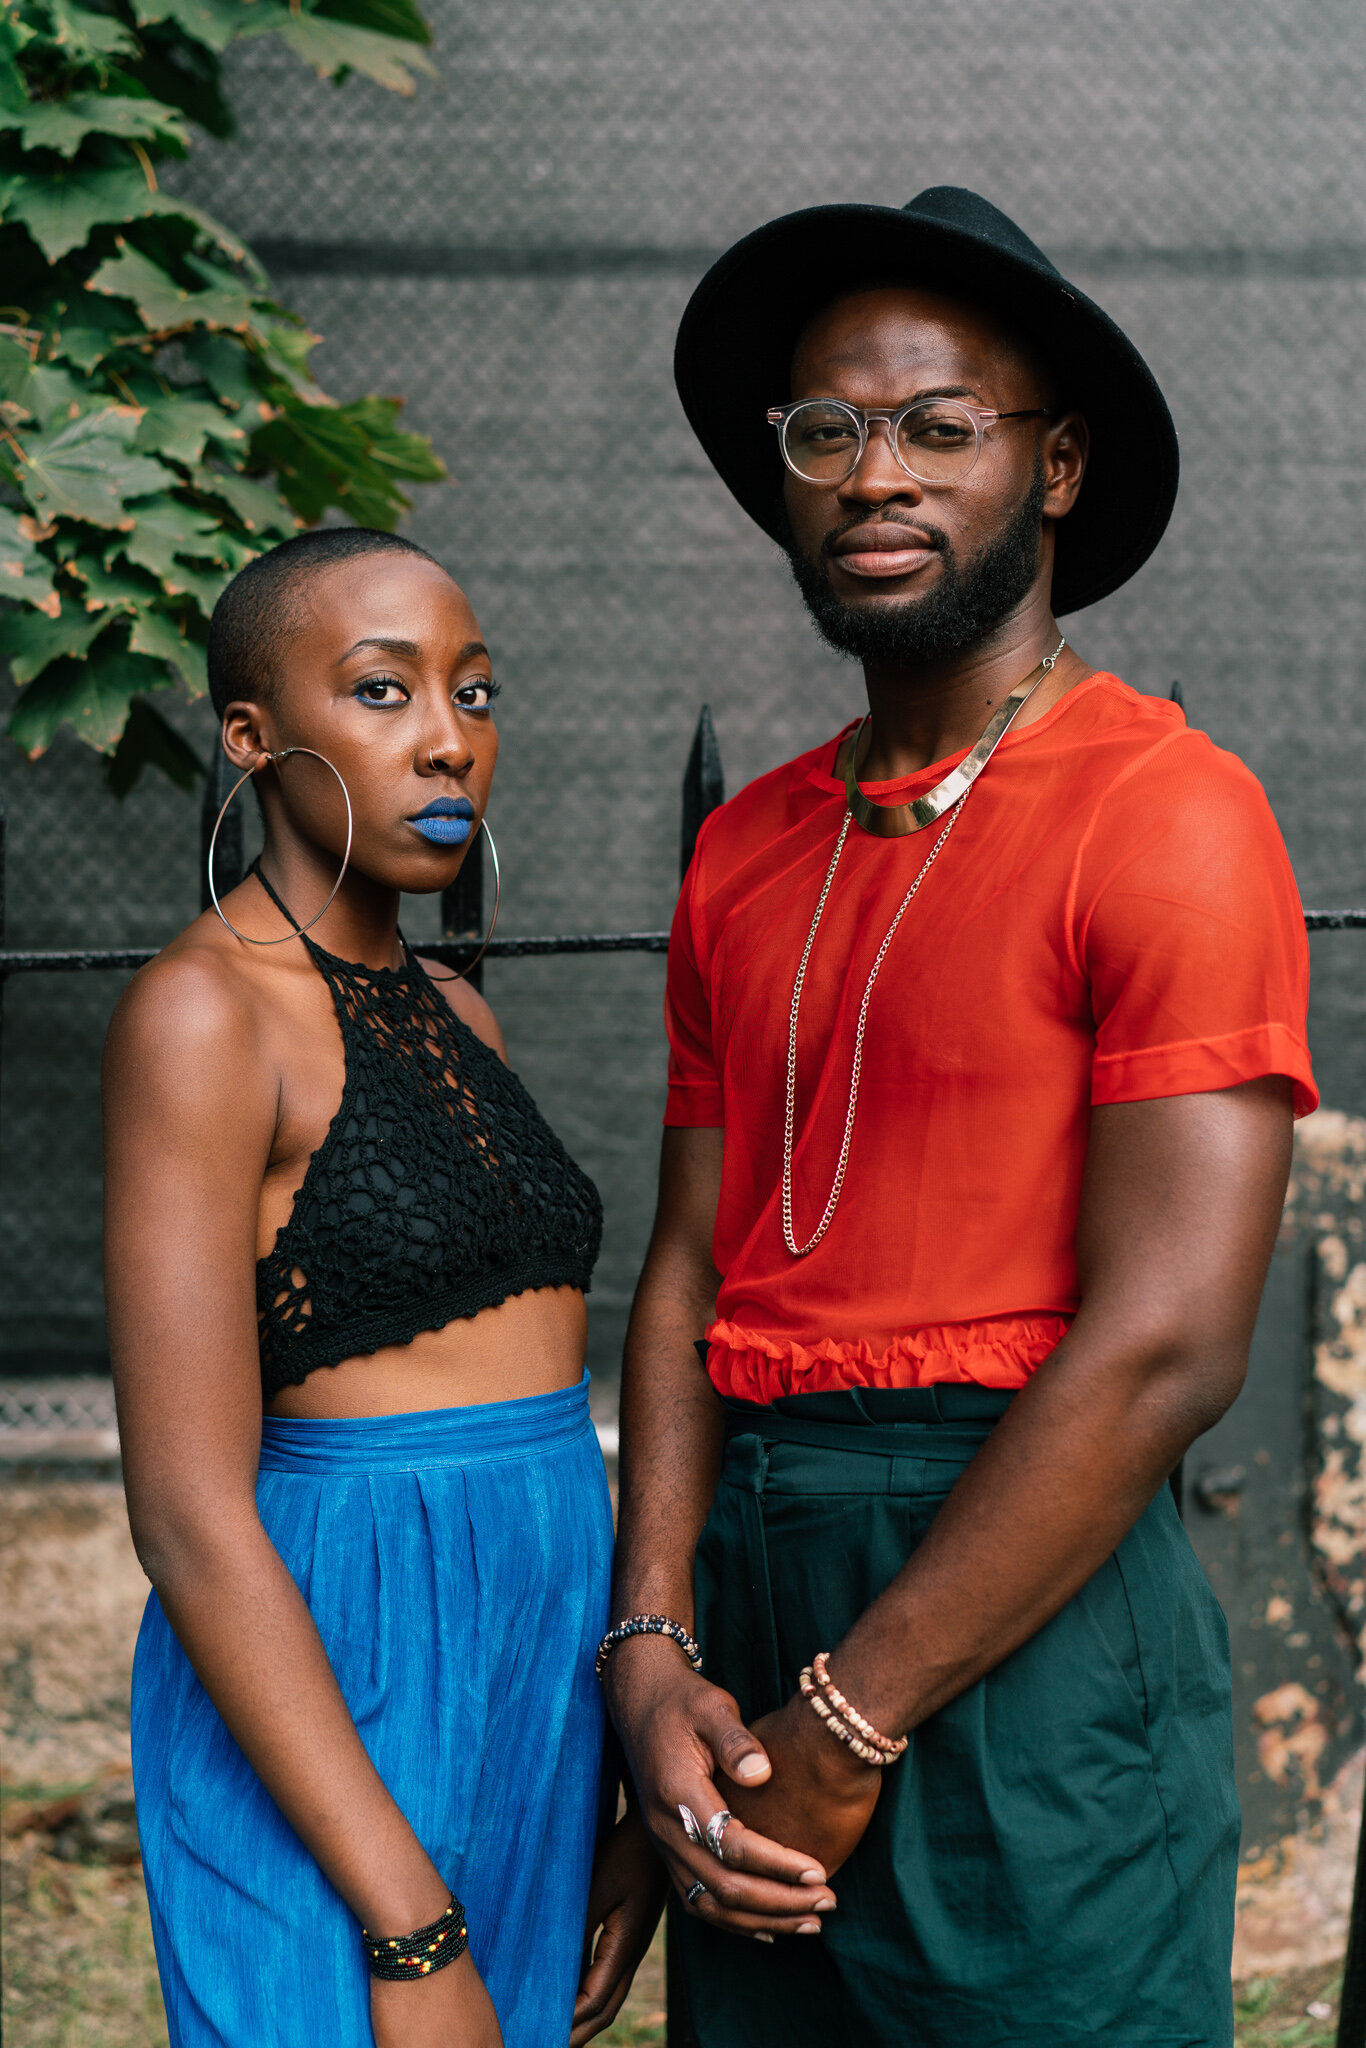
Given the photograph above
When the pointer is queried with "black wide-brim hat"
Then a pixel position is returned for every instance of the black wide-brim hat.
(741, 326)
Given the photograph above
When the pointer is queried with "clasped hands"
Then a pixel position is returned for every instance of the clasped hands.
(799, 1801)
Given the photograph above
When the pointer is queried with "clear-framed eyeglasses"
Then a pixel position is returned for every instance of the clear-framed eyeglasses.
(936, 440)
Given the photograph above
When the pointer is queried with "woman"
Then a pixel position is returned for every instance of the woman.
(363, 1696)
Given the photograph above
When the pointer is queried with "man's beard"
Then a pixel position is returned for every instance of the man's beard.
(967, 603)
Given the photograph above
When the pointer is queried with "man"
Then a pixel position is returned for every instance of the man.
(987, 1030)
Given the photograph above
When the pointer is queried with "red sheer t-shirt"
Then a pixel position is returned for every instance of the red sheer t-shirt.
(1113, 918)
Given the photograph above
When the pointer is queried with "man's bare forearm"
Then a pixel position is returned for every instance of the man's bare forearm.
(670, 1418)
(670, 1437)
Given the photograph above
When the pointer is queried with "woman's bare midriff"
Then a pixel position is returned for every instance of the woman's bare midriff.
(532, 1343)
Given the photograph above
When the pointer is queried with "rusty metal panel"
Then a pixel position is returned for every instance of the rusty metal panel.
(1249, 1481)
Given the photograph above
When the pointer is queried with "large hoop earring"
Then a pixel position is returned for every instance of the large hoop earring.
(283, 755)
(497, 899)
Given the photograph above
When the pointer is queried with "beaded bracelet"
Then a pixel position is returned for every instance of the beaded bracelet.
(648, 1625)
(820, 1671)
(838, 1728)
(417, 1955)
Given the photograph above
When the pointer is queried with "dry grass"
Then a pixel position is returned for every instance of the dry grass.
(78, 1965)
(1297, 2010)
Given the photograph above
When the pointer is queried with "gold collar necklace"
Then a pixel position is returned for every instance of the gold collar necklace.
(885, 821)
(894, 821)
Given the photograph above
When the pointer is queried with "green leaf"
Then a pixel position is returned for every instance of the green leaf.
(163, 528)
(157, 634)
(121, 589)
(92, 695)
(291, 343)
(13, 90)
(407, 455)
(86, 470)
(86, 337)
(30, 640)
(48, 394)
(386, 17)
(82, 33)
(229, 550)
(260, 509)
(344, 456)
(149, 742)
(62, 208)
(86, 347)
(64, 124)
(16, 365)
(229, 369)
(54, 394)
(333, 46)
(177, 428)
(211, 22)
(205, 586)
(25, 571)
(164, 305)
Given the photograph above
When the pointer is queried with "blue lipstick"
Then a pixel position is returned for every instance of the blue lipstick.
(447, 822)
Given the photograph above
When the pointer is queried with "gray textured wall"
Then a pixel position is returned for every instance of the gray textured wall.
(512, 248)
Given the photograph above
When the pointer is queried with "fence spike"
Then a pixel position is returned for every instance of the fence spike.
(704, 785)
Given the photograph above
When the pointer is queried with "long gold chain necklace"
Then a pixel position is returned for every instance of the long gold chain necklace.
(885, 821)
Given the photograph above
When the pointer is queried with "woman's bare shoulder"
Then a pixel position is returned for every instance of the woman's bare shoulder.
(194, 1001)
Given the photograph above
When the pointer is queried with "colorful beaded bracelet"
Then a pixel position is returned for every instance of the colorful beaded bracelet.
(838, 1728)
(401, 1956)
(648, 1625)
(820, 1671)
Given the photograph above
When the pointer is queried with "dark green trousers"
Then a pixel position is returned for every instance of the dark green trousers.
(1053, 1859)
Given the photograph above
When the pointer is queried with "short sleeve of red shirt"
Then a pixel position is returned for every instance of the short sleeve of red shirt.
(1188, 929)
(695, 1097)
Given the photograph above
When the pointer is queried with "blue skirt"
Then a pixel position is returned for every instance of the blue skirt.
(456, 1564)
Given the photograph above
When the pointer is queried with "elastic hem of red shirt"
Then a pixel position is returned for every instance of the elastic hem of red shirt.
(1201, 1066)
(995, 1351)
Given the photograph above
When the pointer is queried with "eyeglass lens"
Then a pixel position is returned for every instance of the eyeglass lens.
(937, 441)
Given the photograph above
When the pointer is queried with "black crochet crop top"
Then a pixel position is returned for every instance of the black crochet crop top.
(439, 1189)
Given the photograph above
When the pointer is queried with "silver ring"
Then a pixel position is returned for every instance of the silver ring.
(716, 1827)
(694, 1893)
(690, 1827)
